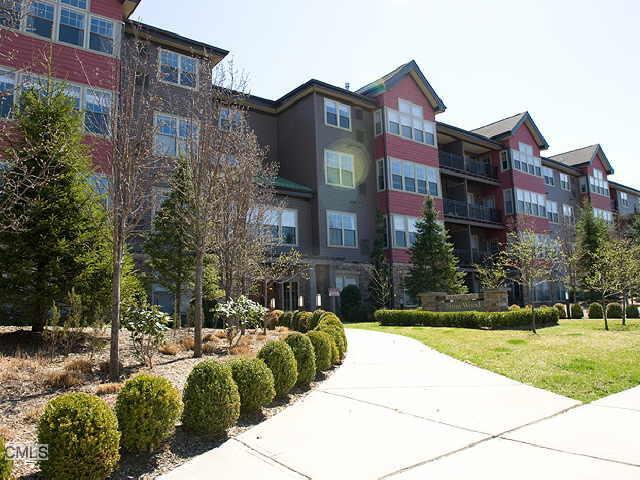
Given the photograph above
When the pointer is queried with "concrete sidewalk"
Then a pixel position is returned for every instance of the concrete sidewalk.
(397, 409)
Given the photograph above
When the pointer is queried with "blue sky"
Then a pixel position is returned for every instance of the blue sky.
(574, 64)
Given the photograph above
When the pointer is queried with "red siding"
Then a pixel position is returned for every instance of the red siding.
(107, 8)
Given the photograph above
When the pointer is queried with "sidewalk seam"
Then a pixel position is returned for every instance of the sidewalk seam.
(284, 465)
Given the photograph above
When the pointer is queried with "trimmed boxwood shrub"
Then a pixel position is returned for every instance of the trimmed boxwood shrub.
(595, 310)
(562, 309)
(511, 319)
(280, 359)
(330, 319)
(295, 318)
(338, 337)
(285, 319)
(632, 311)
(255, 383)
(322, 343)
(576, 311)
(315, 318)
(6, 464)
(514, 307)
(304, 319)
(147, 408)
(614, 310)
(211, 399)
(305, 357)
(272, 318)
(82, 433)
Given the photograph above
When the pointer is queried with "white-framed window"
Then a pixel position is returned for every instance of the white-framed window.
(549, 178)
(565, 182)
(624, 199)
(7, 92)
(404, 230)
(70, 22)
(337, 114)
(605, 215)
(598, 183)
(342, 229)
(229, 118)
(173, 135)
(413, 177)
(531, 203)
(508, 201)
(338, 168)
(381, 177)
(377, 122)
(568, 214)
(408, 122)
(283, 224)
(345, 279)
(524, 160)
(505, 163)
(100, 184)
(178, 69)
(552, 211)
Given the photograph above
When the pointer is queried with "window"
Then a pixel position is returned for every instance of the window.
(337, 114)
(414, 177)
(568, 214)
(381, 174)
(504, 160)
(343, 280)
(76, 3)
(101, 35)
(97, 111)
(342, 229)
(173, 135)
(531, 203)
(40, 19)
(409, 122)
(74, 92)
(552, 211)
(508, 201)
(565, 184)
(377, 122)
(624, 199)
(100, 184)
(404, 231)
(598, 183)
(605, 215)
(547, 173)
(229, 118)
(338, 169)
(178, 69)
(283, 225)
(71, 28)
(10, 14)
(7, 92)
(524, 160)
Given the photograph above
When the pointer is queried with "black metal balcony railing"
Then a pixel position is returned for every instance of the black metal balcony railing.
(472, 256)
(456, 208)
(467, 165)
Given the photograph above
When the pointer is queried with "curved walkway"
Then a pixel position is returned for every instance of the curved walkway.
(398, 409)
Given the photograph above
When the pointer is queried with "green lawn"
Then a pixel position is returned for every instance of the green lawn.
(577, 359)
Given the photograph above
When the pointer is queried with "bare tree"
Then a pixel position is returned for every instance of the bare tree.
(130, 165)
(567, 242)
(491, 274)
(531, 261)
(279, 267)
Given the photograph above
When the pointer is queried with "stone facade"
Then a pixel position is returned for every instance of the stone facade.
(486, 301)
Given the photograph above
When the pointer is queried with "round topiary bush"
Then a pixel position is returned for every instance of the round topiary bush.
(562, 309)
(331, 320)
(304, 319)
(285, 319)
(147, 408)
(632, 311)
(576, 311)
(293, 325)
(271, 319)
(514, 307)
(282, 362)
(595, 310)
(338, 337)
(255, 383)
(322, 342)
(211, 399)
(315, 318)
(6, 464)
(305, 357)
(614, 310)
(82, 433)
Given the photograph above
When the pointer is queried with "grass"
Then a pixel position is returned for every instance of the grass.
(578, 358)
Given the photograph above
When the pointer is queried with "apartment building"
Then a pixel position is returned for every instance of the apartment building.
(343, 154)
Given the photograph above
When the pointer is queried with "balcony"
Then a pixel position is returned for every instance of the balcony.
(472, 256)
(456, 162)
(456, 208)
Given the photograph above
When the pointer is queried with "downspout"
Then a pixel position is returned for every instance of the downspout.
(385, 167)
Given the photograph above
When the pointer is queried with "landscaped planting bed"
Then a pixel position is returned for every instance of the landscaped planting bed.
(153, 422)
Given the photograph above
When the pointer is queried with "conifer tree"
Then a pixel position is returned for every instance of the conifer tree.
(434, 267)
(591, 234)
(380, 287)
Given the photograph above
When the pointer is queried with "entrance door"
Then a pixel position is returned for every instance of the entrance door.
(290, 296)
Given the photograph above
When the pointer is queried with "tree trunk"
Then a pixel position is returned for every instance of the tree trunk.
(199, 313)
(266, 294)
(604, 314)
(533, 311)
(177, 305)
(624, 308)
(114, 354)
(39, 317)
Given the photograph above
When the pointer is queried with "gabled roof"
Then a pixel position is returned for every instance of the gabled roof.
(624, 188)
(583, 156)
(390, 79)
(128, 7)
(508, 126)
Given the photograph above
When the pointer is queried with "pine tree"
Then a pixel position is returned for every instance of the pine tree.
(170, 259)
(591, 234)
(380, 287)
(434, 267)
(634, 230)
(63, 241)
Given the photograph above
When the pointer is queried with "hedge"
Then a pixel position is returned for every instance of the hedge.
(562, 309)
(280, 359)
(322, 343)
(614, 310)
(305, 357)
(632, 311)
(595, 310)
(489, 320)
(315, 318)
(576, 311)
